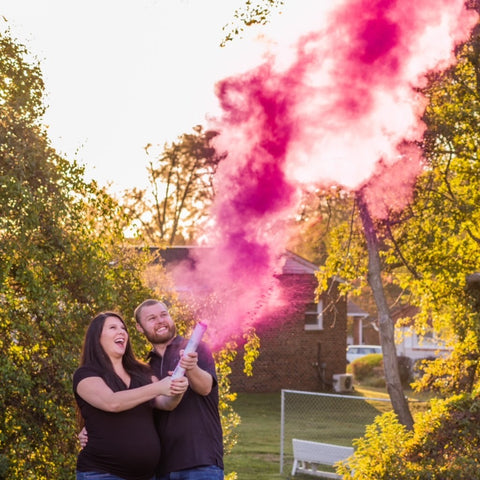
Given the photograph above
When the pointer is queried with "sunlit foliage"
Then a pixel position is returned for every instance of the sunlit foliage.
(444, 445)
(62, 260)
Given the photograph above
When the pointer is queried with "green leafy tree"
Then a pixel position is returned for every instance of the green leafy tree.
(431, 248)
(62, 260)
(180, 177)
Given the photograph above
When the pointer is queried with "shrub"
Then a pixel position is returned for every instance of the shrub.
(378, 454)
(444, 445)
(368, 366)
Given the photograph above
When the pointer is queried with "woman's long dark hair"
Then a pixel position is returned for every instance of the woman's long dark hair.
(94, 355)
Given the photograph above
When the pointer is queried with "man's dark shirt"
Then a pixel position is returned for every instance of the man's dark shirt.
(191, 434)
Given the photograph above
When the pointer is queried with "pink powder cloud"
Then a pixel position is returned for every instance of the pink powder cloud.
(337, 114)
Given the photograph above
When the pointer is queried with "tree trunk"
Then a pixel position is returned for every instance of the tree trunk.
(386, 326)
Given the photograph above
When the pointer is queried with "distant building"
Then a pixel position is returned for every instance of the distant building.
(408, 342)
(411, 344)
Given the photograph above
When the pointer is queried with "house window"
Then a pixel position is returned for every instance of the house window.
(314, 316)
(427, 339)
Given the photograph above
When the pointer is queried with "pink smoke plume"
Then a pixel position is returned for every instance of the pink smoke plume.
(337, 114)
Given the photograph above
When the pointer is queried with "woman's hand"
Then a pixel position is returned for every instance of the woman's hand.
(179, 385)
(169, 386)
(83, 437)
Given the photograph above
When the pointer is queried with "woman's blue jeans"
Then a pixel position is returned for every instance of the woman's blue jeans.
(210, 472)
(98, 476)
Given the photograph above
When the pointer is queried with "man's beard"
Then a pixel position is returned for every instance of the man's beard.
(159, 338)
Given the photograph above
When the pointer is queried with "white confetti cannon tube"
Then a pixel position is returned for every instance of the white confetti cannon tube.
(192, 346)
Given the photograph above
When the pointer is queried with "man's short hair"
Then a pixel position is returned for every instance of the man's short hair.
(146, 303)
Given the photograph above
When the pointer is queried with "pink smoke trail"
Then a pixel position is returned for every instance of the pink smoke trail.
(337, 114)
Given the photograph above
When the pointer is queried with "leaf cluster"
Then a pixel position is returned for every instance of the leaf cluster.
(251, 13)
(443, 446)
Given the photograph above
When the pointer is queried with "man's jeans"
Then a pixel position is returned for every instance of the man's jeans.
(212, 472)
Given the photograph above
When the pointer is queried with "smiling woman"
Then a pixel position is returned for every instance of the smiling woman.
(110, 380)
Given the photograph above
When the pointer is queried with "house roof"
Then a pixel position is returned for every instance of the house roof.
(353, 310)
(295, 264)
(175, 254)
(292, 263)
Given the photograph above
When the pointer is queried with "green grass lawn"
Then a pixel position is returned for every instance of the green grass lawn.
(257, 453)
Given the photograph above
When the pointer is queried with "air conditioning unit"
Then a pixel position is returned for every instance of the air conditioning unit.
(343, 382)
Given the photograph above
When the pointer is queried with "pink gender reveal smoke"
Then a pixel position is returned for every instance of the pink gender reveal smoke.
(339, 113)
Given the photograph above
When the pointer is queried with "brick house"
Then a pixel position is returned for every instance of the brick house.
(303, 346)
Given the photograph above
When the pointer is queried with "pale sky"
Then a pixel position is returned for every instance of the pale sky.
(120, 74)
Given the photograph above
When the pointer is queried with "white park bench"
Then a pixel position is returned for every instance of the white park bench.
(309, 456)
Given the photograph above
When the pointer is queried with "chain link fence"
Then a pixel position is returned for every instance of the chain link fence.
(324, 417)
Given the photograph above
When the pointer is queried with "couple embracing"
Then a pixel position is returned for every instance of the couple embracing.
(140, 423)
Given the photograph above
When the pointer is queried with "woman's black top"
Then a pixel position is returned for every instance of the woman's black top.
(124, 444)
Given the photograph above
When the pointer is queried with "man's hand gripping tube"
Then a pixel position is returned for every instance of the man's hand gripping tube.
(192, 346)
